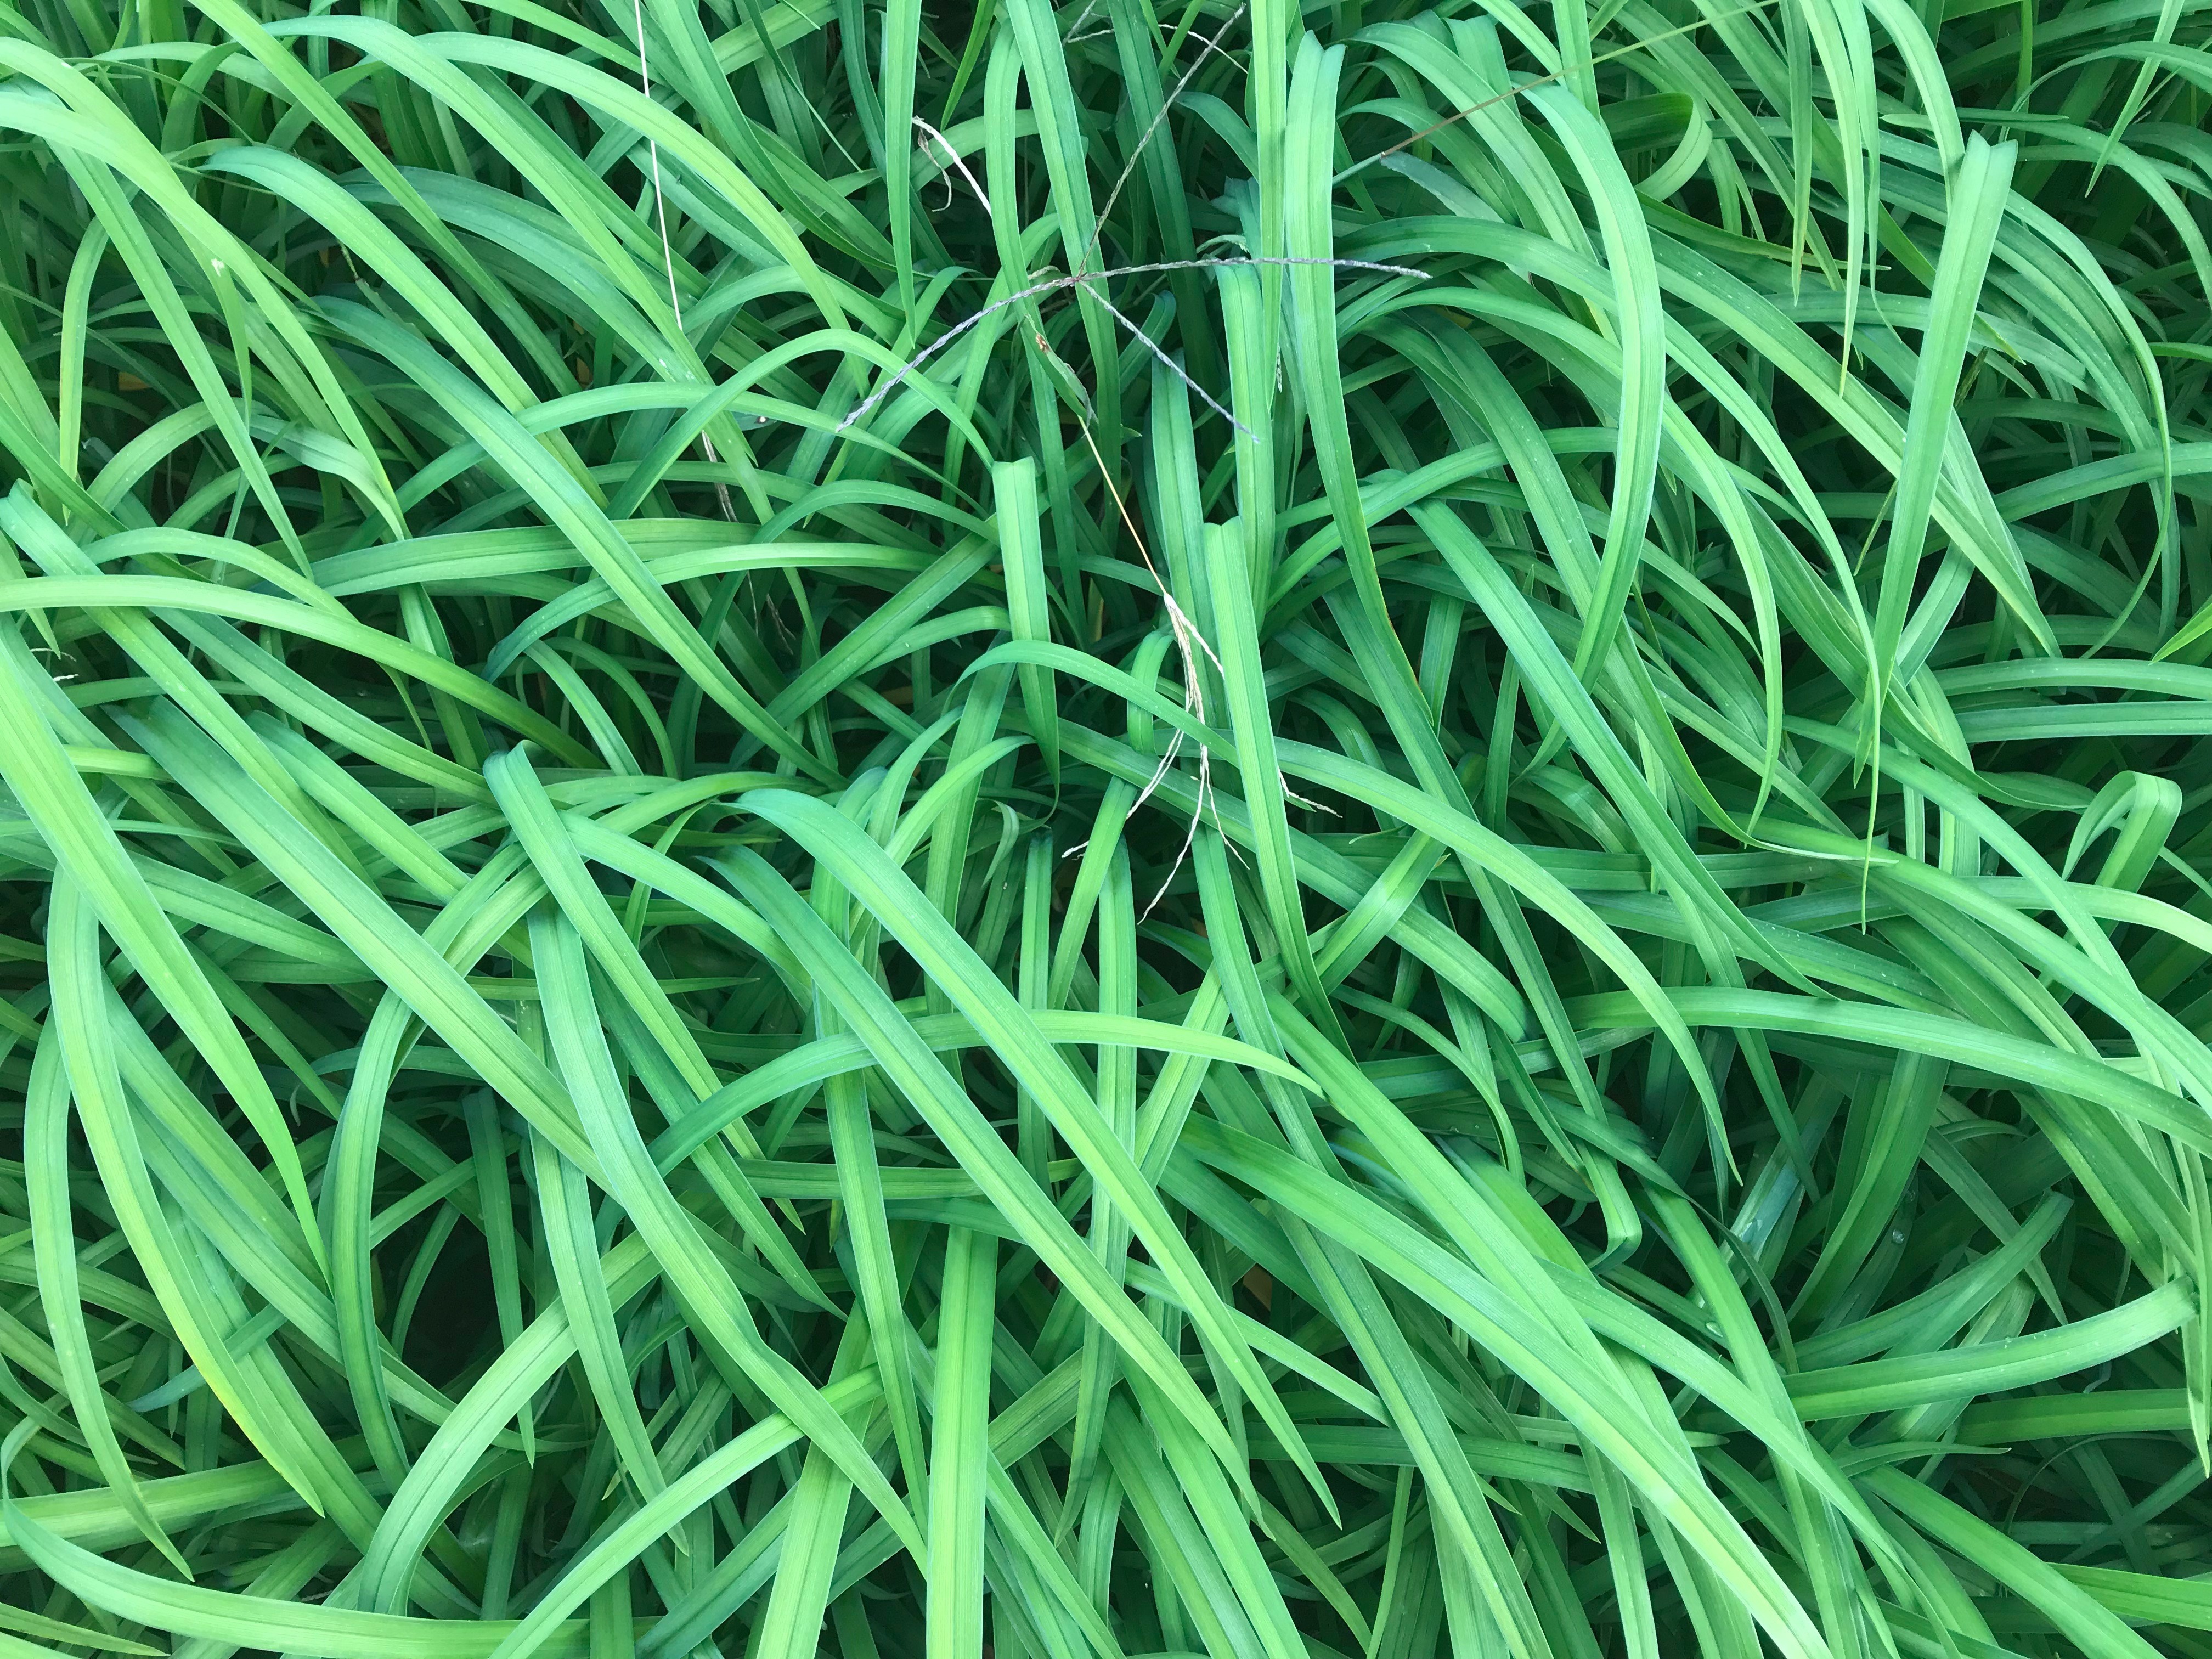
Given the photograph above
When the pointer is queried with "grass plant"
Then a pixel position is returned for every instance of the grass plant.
(926, 831)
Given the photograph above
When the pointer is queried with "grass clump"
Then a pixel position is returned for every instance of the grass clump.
(925, 831)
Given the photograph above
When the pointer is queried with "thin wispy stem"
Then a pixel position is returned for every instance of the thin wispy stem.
(1053, 285)
(1152, 127)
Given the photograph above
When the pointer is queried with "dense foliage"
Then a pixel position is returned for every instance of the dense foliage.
(940, 831)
